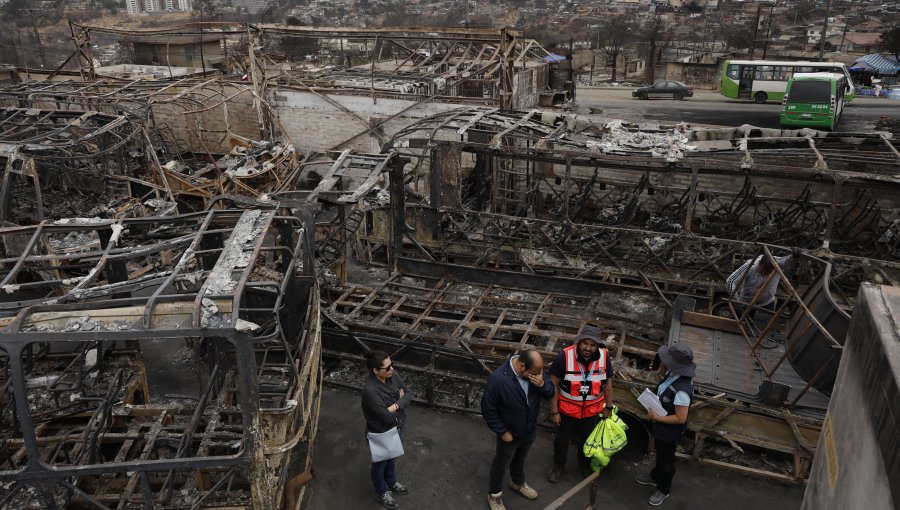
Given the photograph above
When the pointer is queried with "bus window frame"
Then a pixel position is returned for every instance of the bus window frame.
(733, 71)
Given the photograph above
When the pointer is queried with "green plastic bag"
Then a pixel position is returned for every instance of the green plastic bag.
(607, 438)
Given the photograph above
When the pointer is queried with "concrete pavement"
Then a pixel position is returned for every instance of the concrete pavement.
(709, 108)
(448, 458)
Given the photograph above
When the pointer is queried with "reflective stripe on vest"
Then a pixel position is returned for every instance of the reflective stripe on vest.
(584, 397)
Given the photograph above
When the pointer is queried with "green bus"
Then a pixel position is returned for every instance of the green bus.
(765, 80)
(813, 100)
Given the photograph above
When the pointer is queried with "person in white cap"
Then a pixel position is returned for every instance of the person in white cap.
(677, 369)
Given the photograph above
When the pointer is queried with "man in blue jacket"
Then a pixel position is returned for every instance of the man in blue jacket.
(510, 407)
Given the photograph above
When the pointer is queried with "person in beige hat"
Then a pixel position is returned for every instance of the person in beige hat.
(677, 370)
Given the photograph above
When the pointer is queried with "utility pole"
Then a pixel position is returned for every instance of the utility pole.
(755, 31)
(37, 38)
(846, 25)
(22, 61)
(824, 31)
(768, 29)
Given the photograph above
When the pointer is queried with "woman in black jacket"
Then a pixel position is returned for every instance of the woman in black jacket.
(385, 398)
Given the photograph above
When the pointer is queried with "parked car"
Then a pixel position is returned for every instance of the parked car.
(676, 89)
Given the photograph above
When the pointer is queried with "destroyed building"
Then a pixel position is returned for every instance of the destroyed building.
(106, 406)
(407, 182)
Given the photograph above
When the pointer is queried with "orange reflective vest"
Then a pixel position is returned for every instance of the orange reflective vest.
(580, 391)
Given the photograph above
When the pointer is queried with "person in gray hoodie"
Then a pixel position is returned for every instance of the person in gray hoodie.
(385, 398)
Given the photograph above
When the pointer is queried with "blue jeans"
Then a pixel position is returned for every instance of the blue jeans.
(384, 475)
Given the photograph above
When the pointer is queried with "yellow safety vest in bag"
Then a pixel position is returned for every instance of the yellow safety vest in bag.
(607, 438)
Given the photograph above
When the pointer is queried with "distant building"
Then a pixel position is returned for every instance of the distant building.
(252, 6)
(857, 42)
(814, 32)
(150, 6)
(180, 51)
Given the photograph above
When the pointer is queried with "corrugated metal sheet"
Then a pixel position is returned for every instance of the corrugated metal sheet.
(724, 361)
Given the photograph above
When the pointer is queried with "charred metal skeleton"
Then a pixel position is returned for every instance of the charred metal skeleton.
(504, 231)
(81, 300)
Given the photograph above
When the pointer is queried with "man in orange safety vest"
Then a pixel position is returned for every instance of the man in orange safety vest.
(582, 374)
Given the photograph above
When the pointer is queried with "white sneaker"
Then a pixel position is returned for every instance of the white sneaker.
(495, 501)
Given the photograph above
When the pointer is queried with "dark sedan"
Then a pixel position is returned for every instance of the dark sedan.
(675, 89)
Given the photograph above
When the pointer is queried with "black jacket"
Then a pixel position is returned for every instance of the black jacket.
(666, 432)
(377, 396)
(504, 406)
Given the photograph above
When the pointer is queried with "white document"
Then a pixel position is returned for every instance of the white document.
(651, 402)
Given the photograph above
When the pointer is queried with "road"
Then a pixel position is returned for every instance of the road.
(710, 108)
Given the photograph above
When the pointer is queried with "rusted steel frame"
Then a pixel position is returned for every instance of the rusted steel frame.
(238, 292)
(182, 263)
(411, 237)
(817, 376)
(833, 209)
(495, 247)
(652, 284)
(116, 254)
(801, 440)
(713, 263)
(434, 296)
(560, 501)
(525, 50)
(83, 495)
(820, 161)
(799, 300)
(463, 324)
(412, 54)
(104, 258)
(82, 40)
(475, 119)
(460, 230)
(27, 429)
(38, 232)
(481, 217)
(658, 259)
(580, 228)
(770, 372)
(567, 182)
(605, 251)
(752, 304)
(771, 323)
(889, 145)
(489, 306)
(534, 318)
(187, 436)
(740, 325)
(495, 141)
(417, 368)
(101, 418)
(566, 229)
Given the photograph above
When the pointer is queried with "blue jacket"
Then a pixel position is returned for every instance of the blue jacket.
(504, 406)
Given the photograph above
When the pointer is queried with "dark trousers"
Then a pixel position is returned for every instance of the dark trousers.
(510, 455)
(572, 428)
(384, 475)
(664, 471)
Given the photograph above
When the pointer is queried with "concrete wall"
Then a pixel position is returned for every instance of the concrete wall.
(207, 130)
(528, 85)
(585, 57)
(315, 124)
(857, 463)
(186, 55)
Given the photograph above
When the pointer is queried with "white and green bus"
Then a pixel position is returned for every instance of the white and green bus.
(765, 80)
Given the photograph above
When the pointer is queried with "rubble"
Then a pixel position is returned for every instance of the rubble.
(88, 386)
(452, 231)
